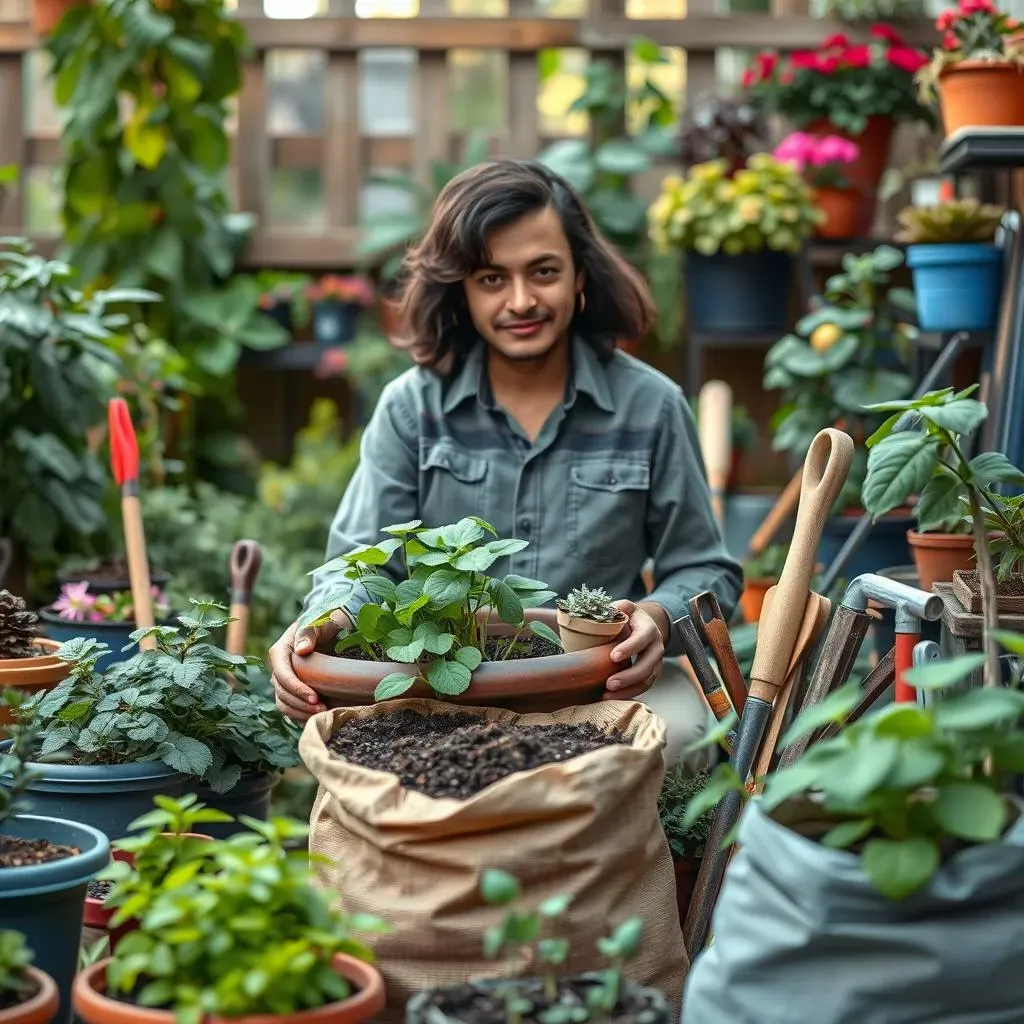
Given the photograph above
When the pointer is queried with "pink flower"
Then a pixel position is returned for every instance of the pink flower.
(977, 7)
(950, 41)
(835, 149)
(946, 20)
(74, 603)
(797, 148)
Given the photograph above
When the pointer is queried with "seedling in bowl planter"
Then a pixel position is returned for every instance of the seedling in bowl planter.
(587, 618)
(27, 995)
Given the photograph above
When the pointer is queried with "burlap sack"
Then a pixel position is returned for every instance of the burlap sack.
(588, 827)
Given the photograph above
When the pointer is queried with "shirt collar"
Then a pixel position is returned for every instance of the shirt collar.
(589, 375)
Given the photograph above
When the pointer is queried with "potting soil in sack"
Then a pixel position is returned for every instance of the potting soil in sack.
(416, 799)
(801, 934)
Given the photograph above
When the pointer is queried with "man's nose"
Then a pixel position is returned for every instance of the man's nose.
(521, 300)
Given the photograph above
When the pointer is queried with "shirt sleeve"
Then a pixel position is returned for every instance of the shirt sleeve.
(383, 491)
(683, 536)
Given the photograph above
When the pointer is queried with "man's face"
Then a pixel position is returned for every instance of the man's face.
(523, 302)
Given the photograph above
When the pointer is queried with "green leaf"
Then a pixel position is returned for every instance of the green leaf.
(897, 468)
(545, 632)
(833, 709)
(996, 468)
(378, 554)
(393, 685)
(506, 603)
(920, 763)
(959, 417)
(861, 771)
(368, 623)
(940, 675)
(898, 868)
(449, 677)
(433, 639)
(722, 780)
(621, 156)
(571, 158)
(470, 657)
(1012, 642)
(403, 646)
(402, 529)
(939, 505)
(466, 531)
(971, 811)
(978, 709)
(555, 906)
(381, 587)
(521, 583)
(716, 734)
(845, 834)
(904, 721)
(498, 888)
(445, 587)
(186, 754)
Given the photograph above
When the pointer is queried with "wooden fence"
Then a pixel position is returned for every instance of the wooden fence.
(344, 153)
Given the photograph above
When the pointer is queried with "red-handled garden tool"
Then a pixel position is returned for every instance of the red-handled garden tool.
(245, 566)
(124, 458)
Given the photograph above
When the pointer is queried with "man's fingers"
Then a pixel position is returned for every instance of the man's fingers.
(645, 668)
(296, 710)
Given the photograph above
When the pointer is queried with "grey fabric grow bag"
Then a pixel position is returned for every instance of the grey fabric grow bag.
(801, 935)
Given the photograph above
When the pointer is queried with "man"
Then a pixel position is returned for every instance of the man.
(523, 412)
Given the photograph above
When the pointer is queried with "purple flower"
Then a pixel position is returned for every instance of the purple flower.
(74, 603)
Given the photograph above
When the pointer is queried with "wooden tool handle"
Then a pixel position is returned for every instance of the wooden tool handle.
(715, 428)
(238, 629)
(780, 512)
(246, 558)
(825, 470)
(706, 678)
(706, 612)
(138, 566)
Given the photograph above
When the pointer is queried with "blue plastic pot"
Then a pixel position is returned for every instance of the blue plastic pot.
(45, 902)
(957, 286)
(249, 796)
(744, 514)
(114, 634)
(744, 294)
(334, 323)
(885, 544)
(107, 797)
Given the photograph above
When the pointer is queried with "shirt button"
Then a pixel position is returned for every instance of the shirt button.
(612, 481)
(525, 525)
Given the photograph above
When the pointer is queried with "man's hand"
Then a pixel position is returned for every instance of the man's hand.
(648, 626)
(293, 697)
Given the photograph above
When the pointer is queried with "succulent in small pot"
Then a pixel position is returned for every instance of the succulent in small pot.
(297, 958)
(587, 618)
(957, 268)
(27, 995)
(27, 661)
(550, 996)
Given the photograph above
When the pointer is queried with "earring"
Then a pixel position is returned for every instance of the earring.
(583, 302)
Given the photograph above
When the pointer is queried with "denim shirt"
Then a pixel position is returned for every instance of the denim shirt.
(614, 478)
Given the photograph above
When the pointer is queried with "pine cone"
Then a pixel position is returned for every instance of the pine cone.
(17, 627)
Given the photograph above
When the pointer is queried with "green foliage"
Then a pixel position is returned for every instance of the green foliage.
(841, 360)
(905, 786)
(953, 222)
(58, 368)
(764, 205)
(875, 10)
(145, 92)
(15, 959)
(15, 761)
(227, 928)
(680, 787)
(173, 704)
(768, 565)
(431, 619)
(929, 462)
(584, 603)
(280, 287)
(1004, 517)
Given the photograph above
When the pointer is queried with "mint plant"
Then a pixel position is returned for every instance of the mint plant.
(176, 704)
(15, 760)
(436, 617)
(236, 929)
(16, 986)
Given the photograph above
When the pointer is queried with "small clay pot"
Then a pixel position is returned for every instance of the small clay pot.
(93, 1005)
(753, 598)
(841, 207)
(939, 555)
(38, 1009)
(32, 674)
(981, 93)
(582, 634)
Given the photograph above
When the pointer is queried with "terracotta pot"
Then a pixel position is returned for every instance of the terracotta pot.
(753, 597)
(526, 685)
(865, 173)
(94, 1007)
(41, 1008)
(46, 14)
(939, 555)
(981, 93)
(32, 674)
(583, 634)
(841, 207)
(686, 870)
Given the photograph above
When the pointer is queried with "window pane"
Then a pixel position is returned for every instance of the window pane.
(378, 199)
(478, 89)
(562, 8)
(387, 8)
(655, 8)
(296, 198)
(295, 91)
(562, 81)
(42, 116)
(294, 8)
(479, 8)
(385, 91)
(42, 199)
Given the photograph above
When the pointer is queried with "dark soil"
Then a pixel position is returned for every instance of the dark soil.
(20, 853)
(100, 890)
(528, 646)
(1011, 587)
(484, 1004)
(11, 999)
(110, 570)
(459, 755)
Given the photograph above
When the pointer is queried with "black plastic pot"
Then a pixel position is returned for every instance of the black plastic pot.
(249, 796)
(158, 578)
(45, 902)
(885, 544)
(116, 635)
(743, 294)
(106, 797)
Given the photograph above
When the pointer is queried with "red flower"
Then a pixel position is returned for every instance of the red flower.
(950, 41)
(804, 60)
(766, 63)
(748, 79)
(946, 20)
(828, 65)
(836, 42)
(906, 58)
(786, 77)
(887, 33)
(977, 7)
(857, 56)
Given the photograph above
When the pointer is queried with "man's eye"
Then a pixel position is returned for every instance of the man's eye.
(546, 271)
(489, 280)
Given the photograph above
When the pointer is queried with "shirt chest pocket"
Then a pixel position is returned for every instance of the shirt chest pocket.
(453, 484)
(607, 507)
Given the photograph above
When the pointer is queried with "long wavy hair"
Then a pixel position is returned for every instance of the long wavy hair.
(433, 309)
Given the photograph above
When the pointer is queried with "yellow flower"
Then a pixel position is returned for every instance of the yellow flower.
(713, 170)
(749, 209)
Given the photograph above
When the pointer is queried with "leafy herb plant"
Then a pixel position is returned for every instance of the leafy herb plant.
(175, 704)
(685, 839)
(236, 929)
(14, 762)
(15, 958)
(436, 617)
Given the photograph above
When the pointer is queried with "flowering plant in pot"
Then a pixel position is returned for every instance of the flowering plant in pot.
(283, 297)
(289, 955)
(853, 89)
(824, 162)
(27, 995)
(172, 718)
(27, 661)
(547, 997)
(721, 128)
(978, 71)
(336, 302)
(739, 231)
(958, 269)
(440, 625)
(587, 618)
